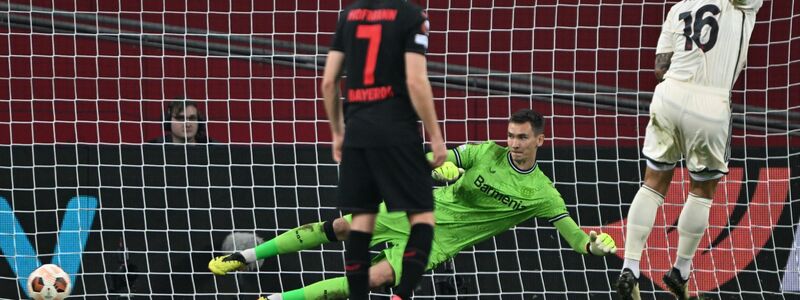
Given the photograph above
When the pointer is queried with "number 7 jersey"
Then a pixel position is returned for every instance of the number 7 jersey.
(708, 39)
(375, 36)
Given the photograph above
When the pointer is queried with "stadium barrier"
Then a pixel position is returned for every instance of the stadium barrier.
(160, 213)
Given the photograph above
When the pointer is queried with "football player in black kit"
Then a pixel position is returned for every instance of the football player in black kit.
(381, 45)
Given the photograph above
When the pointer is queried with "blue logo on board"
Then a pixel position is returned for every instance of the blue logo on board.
(72, 235)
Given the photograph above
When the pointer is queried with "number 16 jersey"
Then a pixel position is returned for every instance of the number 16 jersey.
(709, 40)
(375, 35)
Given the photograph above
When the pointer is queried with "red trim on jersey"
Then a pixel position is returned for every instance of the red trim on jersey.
(352, 267)
(369, 15)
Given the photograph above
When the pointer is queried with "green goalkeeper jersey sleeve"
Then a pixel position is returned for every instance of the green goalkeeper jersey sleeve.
(492, 196)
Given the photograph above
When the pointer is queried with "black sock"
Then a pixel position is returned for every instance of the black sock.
(356, 264)
(327, 227)
(415, 259)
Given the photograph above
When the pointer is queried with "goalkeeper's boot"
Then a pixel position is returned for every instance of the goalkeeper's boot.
(221, 265)
(676, 284)
(272, 297)
(628, 286)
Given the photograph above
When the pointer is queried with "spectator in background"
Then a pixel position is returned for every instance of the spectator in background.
(185, 123)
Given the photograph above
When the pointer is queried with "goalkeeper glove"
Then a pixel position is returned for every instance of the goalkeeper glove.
(602, 244)
(447, 172)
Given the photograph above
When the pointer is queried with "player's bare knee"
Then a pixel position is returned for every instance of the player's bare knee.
(341, 228)
(377, 283)
(381, 275)
(421, 217)
(704, 187)
(364, 222)
(658, 180)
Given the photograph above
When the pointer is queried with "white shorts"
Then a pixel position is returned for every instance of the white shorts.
(689, 121)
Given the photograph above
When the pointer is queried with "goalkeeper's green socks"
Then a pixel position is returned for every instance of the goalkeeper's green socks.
(335, 288)
(301, 238)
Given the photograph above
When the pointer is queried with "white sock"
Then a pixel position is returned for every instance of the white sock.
(249, 255)
(640, 222)
(692, 225)
(684, 265)
(633, 265)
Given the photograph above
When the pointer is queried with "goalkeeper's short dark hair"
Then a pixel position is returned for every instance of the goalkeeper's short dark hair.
(526, 115)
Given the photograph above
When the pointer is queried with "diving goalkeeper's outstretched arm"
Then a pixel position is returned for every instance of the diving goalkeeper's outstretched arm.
(599, 245)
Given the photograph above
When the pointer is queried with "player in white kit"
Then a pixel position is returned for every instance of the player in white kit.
(701, 50)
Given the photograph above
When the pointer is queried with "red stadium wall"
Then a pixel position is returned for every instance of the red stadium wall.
(66, 88)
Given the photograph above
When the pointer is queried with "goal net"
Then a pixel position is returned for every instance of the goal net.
(87, 181)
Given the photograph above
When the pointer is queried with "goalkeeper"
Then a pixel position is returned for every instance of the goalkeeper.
(500, 187)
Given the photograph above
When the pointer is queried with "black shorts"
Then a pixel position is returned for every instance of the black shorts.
(398, 175)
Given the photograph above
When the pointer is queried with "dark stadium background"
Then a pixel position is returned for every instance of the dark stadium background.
(91, 95)
(109, 96)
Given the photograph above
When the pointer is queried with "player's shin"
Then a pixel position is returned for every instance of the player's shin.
(301, 238)
(415, 258)
(357, 264)
(692, 225)
(640, 222)
(335, 288)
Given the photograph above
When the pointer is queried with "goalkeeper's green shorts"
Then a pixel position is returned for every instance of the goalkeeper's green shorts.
(393, 228)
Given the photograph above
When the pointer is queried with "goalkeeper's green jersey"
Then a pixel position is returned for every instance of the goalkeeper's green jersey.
(492, 196)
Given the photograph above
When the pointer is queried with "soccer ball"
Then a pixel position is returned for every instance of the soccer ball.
(49, 282)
